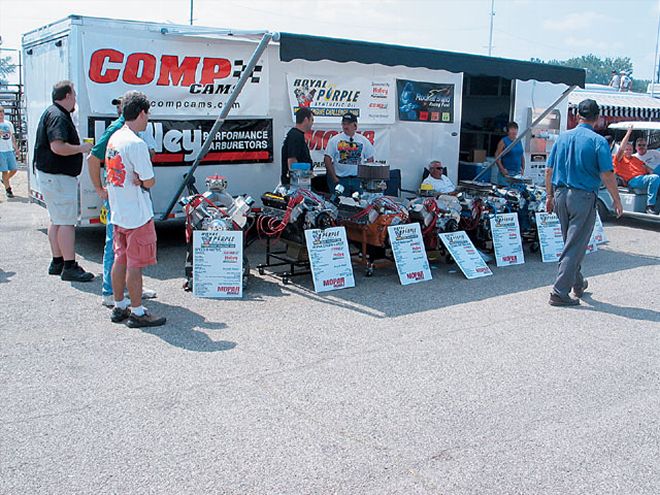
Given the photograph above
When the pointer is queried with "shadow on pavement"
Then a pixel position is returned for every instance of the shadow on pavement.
(629, 312)
(184, 329)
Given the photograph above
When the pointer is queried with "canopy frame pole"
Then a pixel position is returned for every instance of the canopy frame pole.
(527, 131)
(188, 178)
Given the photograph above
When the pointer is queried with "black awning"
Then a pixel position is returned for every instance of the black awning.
(316, 48)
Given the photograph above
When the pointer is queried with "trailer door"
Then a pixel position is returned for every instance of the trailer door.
(44, 63)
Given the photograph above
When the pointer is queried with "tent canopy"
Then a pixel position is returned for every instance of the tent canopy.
(614, 104)
(316, 48)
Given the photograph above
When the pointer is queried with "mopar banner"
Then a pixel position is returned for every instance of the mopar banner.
(425, 102)
(330, 97)
(180, 77)
(177, 142)
(317, 140)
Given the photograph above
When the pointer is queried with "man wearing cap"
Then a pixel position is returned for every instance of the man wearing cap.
(579, 160)
(344, 152)
(96, 157)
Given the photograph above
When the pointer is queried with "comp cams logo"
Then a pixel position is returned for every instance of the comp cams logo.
(200, 75)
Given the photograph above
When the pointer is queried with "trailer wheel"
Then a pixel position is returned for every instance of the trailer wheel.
(603, 212)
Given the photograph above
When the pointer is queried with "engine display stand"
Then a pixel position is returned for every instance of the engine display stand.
(298, 265)
(361, 234)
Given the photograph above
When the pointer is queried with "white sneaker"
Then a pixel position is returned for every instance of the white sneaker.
(108, 301)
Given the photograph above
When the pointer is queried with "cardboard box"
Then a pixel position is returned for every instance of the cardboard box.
(477, 156)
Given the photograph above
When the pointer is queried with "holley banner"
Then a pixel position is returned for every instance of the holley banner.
(330, 97)
(179, 141)
(425, 101)
(179, 77)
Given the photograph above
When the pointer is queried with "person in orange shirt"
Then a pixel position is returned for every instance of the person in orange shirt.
(636, 173)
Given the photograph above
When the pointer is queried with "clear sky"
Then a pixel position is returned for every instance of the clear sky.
(522, 28)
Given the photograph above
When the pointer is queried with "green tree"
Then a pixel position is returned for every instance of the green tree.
(598, 70)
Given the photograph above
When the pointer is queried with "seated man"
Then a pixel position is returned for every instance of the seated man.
(651, 158)
(635, 172)
(440, 183)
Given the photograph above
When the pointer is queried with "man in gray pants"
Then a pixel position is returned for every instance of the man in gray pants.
(578, 162)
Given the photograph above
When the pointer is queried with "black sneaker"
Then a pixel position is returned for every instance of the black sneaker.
(76, 274)
(649, 210)
(556, 300)
(146, 320)
(579, 291)
(118, 314)
(9, 192)
(55, 268)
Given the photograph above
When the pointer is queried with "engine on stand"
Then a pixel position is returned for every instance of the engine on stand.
(286, 214)
(436, 214)
(481, 201)
(215, 209)
(367, 215)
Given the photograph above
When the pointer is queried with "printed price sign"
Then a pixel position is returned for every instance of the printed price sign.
(218, 263)
(550, 238)
(507, 240)
(409, 253)
(465, 254)
(329, 259)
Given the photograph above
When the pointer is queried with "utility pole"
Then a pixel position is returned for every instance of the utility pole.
(655, 77)
(191, 12)
(490, 37)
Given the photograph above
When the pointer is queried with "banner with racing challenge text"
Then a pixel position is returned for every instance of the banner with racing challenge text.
(177, 142)
(330, 97)
(179, 77)
(425, 101)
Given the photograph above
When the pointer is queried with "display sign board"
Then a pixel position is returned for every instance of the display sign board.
(331, 96)
(329, 259)
(598, 236)
(179, 77)
(177, 142)
(425, 101)
(465, 254)
(409, 253)
(551, 240)
(506, 239)
(218, 263)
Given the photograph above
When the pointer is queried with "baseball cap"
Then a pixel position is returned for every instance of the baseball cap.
(117, 101)
(589, 109)
(349, 117)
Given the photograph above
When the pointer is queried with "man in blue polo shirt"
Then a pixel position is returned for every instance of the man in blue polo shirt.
(578, 162)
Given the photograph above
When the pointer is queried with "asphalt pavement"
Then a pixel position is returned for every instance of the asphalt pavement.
(444, 387)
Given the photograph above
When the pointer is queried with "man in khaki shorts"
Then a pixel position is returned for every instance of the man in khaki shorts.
(130, 175)
(58, 159)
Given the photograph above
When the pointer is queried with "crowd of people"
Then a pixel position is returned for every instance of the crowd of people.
(578, 162)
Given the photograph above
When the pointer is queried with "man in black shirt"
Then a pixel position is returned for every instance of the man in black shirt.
(58, 158)
(295, 149)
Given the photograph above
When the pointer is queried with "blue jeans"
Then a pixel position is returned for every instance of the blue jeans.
(108, 256)
(651, 181)
(351, 185)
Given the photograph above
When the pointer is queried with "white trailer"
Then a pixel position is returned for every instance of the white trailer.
(455, 102)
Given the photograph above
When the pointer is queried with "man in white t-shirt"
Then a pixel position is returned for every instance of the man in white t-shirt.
(130, 175)
(651, 158)
(8, 152)
(344, 152)
(440, 183)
